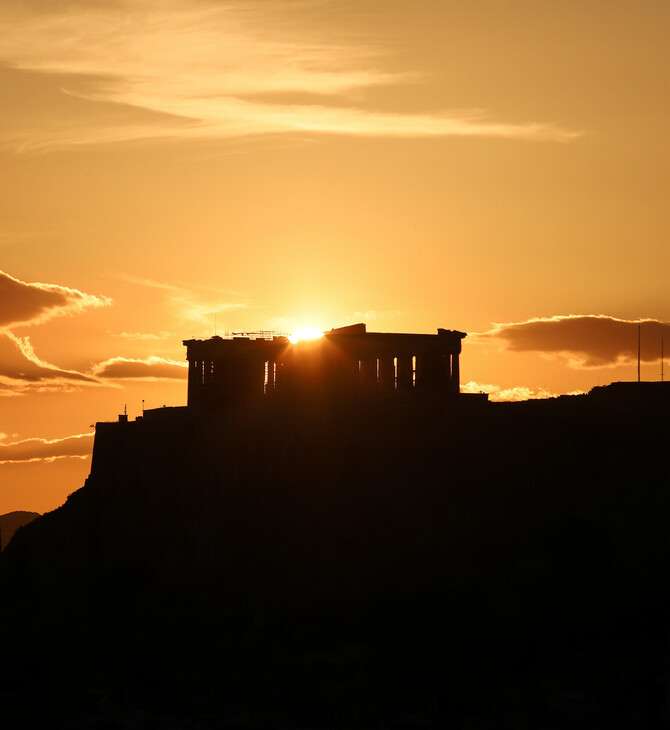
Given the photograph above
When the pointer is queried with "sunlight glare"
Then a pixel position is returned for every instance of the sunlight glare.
(305, 333)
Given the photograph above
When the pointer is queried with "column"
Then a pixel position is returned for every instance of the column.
(421, 374)
(446, 371)
(386, 373)
(369, 374)
(194, 385)
(455, 374)
(404, 372)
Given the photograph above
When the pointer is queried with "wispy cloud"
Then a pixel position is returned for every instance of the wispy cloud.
(218, 69)
(151, 368)
(37, 449)
(203, 310)
(195, 304)
(583, 340)
(373, 314)
(145, 281)
(142, 335)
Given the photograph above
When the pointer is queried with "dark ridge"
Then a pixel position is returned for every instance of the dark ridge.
(11, 522)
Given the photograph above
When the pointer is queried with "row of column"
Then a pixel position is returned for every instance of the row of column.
(403, 372)
(233, 379)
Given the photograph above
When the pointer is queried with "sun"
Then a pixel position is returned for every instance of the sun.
(304, 333)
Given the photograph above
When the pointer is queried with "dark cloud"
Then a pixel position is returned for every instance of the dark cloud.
(21, 369)
(24, 303)
(587, 341)
(153, 368)
(36, 449)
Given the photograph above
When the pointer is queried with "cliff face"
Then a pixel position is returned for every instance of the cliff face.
(431, 523)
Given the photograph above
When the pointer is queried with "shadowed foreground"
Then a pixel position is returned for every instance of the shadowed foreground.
(391, 562)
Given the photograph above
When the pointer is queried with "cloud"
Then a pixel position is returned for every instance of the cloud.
(585, 341)
(152, 368)
(37, 449)
(194, 304)
(144, 281)
(142, 335)
(23, 303)
(21, 370)
(499, 393)
(216, 69)
(203, 311)
(372, 314)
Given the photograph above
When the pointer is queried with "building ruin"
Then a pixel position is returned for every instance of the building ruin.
(345, 361)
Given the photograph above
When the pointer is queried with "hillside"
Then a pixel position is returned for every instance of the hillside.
(406, 544)
(10, 523)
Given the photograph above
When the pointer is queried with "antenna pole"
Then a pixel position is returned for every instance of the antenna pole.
(638, 352)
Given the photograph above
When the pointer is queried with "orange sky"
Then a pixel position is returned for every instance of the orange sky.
(494, 167)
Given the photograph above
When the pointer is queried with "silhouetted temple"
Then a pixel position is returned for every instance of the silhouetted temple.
(345, 361)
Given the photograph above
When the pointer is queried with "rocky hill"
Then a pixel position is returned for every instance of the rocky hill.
(372, 558)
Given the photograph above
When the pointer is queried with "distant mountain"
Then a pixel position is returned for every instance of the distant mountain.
(11, 522)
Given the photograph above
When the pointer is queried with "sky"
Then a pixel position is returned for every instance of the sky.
(173, 169)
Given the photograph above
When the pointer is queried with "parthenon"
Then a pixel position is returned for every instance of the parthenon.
(345, 361)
